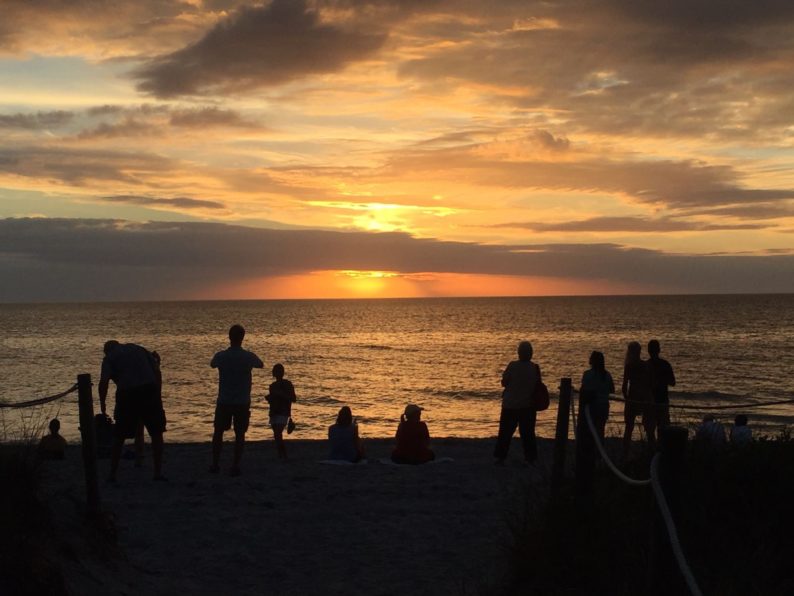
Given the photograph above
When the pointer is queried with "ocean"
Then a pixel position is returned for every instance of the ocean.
(376, 356)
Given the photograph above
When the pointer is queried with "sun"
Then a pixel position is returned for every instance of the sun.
(366, 283)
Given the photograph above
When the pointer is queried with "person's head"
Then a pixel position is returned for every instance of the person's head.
(236, 335)
(345, 416)
(412, 412)
(597, 361)
(709, 418)
(525, 350)
(55, 426)
(740, 420)
(109, 346)
(633, 351)
(278, 371)
(654, 348)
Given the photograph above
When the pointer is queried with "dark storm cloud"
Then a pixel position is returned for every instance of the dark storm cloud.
(36, 120)
(179, 202)
(257, 46)
(628, 224)
(60, 259)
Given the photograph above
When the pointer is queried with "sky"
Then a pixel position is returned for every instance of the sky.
(225, 149)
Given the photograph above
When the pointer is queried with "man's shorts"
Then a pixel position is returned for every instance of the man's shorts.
(136, 405)
(224, 413)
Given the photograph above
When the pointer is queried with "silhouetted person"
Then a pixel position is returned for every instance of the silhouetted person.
(662, 377)
(637, 390)
(597, 385)
(53, 445)
(136, 373)
(413, 438)
(234, 366)
(594, 392)
(710, 432)
(281, 396)
(343, 438)
(741, 434)
(518, 408)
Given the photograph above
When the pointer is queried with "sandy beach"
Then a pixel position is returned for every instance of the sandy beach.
(300, 527)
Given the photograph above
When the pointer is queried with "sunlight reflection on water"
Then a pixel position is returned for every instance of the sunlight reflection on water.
(378, 355)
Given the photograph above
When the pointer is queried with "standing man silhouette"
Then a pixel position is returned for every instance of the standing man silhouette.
(136, 373)
(234, 366)
(662, 377)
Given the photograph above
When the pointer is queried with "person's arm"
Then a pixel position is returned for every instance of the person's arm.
(506, 376)
(292, 396)
(540, 376)
(611, 384)
(425, 436)
(104, 381)
(214, 362)
(625, 388)
(671, 380)
(257, 361)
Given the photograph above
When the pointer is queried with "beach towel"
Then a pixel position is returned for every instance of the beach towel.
(341, 462)
(439, 460)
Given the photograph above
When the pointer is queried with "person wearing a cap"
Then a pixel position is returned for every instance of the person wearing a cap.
(413, 438)
(519, 380)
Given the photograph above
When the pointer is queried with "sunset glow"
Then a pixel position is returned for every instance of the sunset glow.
(513, 148)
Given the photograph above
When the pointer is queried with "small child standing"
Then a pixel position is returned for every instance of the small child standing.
(741, 434)
(281, 397)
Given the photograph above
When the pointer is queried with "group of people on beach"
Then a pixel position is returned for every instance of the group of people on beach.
(136, 374)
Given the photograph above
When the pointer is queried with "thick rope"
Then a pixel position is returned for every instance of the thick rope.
(693, 407)
(675, 543)
(604, 455)
(40, 401)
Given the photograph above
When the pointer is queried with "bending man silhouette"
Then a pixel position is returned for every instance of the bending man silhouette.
(136, 373)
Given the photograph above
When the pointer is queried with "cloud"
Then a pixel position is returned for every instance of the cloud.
(257, 47)
(628, 224)
(36, 120)
(684, 184)
(72, 259)
(81, 167)
(179, 202)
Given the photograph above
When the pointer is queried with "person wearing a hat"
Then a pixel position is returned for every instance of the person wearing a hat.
(413, 438)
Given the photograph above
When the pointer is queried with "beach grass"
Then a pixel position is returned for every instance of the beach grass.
(735, 527)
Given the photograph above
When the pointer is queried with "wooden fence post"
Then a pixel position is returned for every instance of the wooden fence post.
(664, 577)
(584, 469)
(561, 436)
(86, 406)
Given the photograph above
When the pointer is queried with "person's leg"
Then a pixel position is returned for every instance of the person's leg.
(628, 418)
(115, 456)
(157, 454)
(526, 428)
(649, 424)
(508, 420)
(217, 447)
(278, 437)
(239, 444)
(242, 416)
(139, 446)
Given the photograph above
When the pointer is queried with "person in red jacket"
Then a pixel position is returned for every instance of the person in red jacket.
(413, 438)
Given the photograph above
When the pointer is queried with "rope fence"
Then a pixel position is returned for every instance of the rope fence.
(661, 501)
(39, 401)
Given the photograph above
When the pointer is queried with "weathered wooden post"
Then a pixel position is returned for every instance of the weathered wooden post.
(584, 469)
(86, 406)
(663, 576)
(561, 436)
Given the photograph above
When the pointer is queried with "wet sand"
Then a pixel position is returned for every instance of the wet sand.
(301, 527)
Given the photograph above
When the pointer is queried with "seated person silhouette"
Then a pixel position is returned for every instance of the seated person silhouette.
(53, 445)
(741, 434)
(413, 438)
(343, 438)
